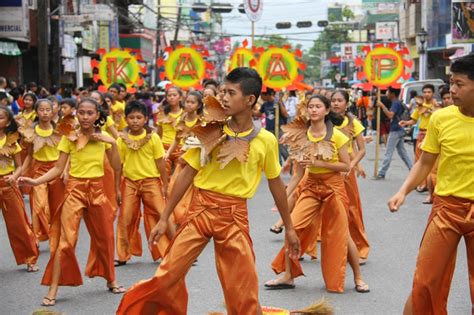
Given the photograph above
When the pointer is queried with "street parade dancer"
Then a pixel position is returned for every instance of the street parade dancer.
(450, 139)
(225, 170)
(85, 148)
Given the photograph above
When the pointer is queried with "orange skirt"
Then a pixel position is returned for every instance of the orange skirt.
(85, 198)
(322, 195)
(45, 200)
(356, 221)
(451, 219)
(172, 161)
(109, 185)
(211, 215)
(129, 240)
(22, 239)
(181, 210)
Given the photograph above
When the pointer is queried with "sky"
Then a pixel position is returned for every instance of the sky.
(280, 11)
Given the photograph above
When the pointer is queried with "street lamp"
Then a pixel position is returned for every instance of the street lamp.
(421, 37)
(78, 41)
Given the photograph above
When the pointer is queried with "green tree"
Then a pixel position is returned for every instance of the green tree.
(272, 40)
(330, 36)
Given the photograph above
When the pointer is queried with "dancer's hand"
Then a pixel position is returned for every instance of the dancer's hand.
(158, 230)
(26, 181)
(10, 179)
(396, 201)
(360, 171)
(164, 190)
(293, 244)
(118, 195)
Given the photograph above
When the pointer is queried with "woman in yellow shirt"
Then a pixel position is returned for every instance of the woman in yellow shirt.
(109, 127)
(19, 232)
(322, 150)
(353, 129)
(193, 107)
(85, 148)
(43, 153)
(169, 114)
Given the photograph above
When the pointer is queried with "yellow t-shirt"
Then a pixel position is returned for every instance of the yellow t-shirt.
(109, 122)
(11, 167)
(46, 153)
(358, 129)
(450, 134)
(424, 118)
(140, 164)
(189, 124)
(169, 130)
(30, 116)
(87, 162)
(338, 139)
(238, 179)
(120, 107)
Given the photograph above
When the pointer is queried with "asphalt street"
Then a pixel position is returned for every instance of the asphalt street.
(394, 240)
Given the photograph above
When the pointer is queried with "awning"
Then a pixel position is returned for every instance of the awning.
(9, 49)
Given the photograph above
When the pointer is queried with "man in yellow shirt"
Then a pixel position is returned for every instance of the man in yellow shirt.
(145, 180)
(219, 211)
(449, 138)
(422, 114)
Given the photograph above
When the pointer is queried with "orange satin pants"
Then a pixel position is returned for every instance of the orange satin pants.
(356, 221)
(451, 218)
(181, 209)
(85, 198)
(419, 141)
(322, 195)
(45, 200)
(172, 160)
(109, 185)
(20, 234)
(211, 215)
(129, 241)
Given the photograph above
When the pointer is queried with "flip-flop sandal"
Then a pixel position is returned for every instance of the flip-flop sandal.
(119, 263)
(427, 202)
(32, 268)
(362, 288)
(51, 302)
(278, 286)
(276, 230)
(117, 290)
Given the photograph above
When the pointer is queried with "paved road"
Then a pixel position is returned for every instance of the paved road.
(394, 239)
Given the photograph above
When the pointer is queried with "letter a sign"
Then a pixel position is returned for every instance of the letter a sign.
(185, 67)
(119, 66)
(278, 67)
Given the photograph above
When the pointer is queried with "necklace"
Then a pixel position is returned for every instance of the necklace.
(236, 133)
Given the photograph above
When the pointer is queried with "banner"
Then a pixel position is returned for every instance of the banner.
(118, 66)
(243, 57)
(185, 67)
(462, 27)
(279, 68)
(383, 66)
(14, 21)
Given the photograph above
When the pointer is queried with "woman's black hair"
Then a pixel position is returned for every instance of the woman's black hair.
(166, 105)
(344, 94)
(336, 119)
(13, 126)
(198, 95)
(33, 96)
(102, 115)
(413, 93)
(69, 101)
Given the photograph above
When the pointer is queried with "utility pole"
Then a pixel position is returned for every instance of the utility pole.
(42, 25)
(55, 45)
(178, 22)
